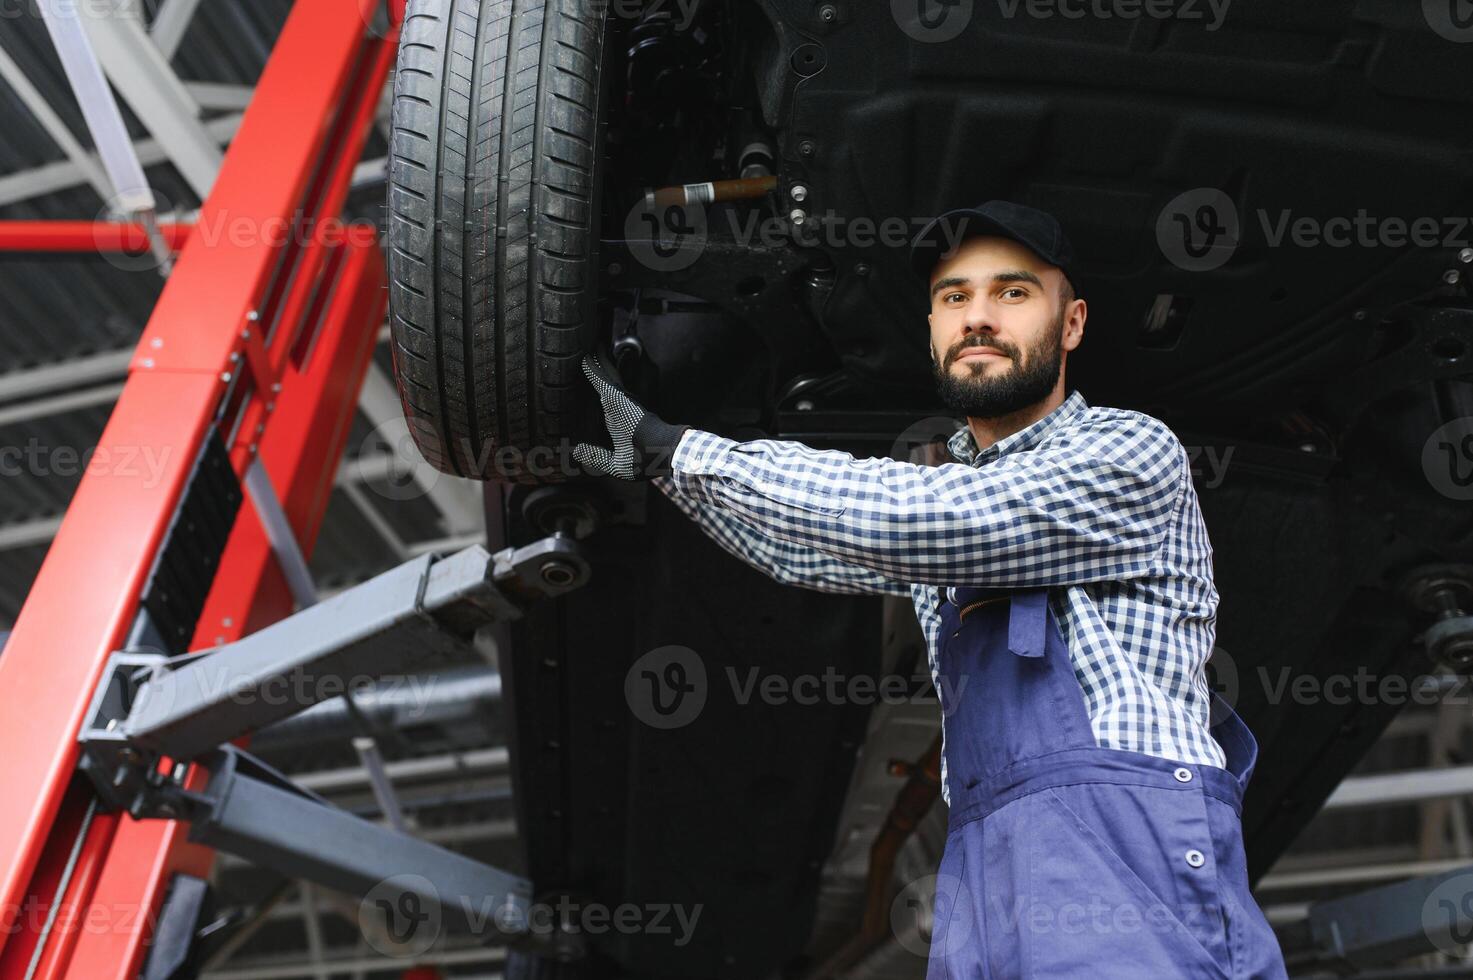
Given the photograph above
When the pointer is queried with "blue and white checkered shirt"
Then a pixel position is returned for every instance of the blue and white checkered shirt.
(1096, 502)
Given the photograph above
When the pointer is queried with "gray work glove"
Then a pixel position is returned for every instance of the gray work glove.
(643, 443)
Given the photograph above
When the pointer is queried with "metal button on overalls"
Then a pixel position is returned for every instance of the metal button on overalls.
(1064, 859)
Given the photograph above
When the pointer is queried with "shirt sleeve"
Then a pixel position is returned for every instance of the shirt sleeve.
(1091, 504)
(783, 561)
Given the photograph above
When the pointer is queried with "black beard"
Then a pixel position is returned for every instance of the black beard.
(1029, 382)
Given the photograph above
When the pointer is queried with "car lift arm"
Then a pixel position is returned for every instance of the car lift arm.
(145, 714)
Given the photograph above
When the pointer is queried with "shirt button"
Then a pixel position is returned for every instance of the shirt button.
(1196, 858)
(1183, 774)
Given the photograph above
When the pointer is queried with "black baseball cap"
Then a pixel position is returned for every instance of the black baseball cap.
(1038, 230)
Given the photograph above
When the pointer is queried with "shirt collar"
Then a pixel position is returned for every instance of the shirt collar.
(963, 447)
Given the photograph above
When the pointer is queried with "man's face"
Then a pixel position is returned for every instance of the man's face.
(999, 327)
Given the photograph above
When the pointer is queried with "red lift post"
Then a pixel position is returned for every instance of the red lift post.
(270, 338)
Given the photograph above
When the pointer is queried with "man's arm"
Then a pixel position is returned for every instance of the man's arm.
(783, 561)
(1089, 505)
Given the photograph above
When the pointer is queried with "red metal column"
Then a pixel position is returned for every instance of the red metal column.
(273, 329)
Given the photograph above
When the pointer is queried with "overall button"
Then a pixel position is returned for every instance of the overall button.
(1183, 774)
(1196, 858)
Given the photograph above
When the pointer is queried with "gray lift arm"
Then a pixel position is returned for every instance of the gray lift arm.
(151, 715)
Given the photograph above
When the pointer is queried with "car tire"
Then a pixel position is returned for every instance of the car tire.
(493, 204)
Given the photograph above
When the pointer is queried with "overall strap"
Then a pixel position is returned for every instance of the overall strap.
(1028, 623)
(1027, 615)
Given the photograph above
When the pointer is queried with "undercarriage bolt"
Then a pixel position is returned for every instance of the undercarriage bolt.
(798, 216)
(799, 193)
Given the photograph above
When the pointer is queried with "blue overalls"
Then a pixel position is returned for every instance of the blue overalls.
(1064, 859)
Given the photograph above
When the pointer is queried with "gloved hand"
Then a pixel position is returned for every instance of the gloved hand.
(643, 443)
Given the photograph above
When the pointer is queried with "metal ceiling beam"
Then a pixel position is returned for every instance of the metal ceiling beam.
(50, 378)
(52, 177)
(219, 95)
(169, 25)
(142, 75)
(59, 404)
(1398, 788)
(366, 509)
(1358, 874)
(87, 165)
(457, 764)
(281, 968)
(28, 534)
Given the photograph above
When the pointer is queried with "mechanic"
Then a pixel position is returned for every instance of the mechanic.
(1063, 578)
